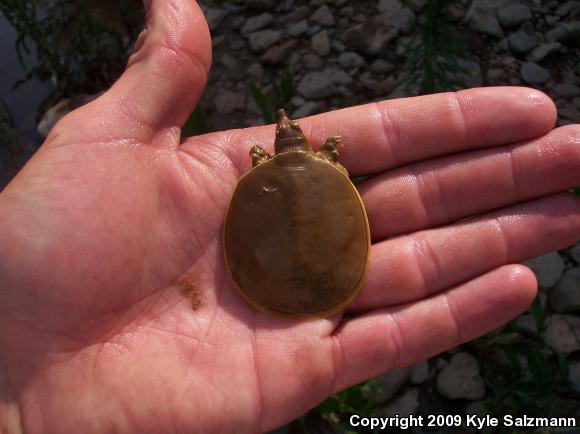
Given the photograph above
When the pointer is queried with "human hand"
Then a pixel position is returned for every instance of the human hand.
(113, 218)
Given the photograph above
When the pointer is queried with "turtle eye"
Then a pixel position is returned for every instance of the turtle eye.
(295, 126)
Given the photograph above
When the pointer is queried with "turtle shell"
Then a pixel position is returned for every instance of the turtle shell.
(296, 237)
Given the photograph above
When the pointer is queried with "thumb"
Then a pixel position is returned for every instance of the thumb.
(163, 82)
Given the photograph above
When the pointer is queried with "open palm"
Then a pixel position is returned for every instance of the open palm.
(117, 315)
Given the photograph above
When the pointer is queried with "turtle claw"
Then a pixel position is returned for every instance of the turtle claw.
(329, 149)
(259, 155)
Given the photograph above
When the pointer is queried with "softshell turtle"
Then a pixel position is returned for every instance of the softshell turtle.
(296, 235)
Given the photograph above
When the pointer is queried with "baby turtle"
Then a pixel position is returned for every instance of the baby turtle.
(296, 235)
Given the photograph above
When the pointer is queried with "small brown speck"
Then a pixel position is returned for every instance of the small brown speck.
(196, 300)
(187, 286)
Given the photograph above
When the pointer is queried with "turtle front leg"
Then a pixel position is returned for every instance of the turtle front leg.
(259, 155)
(329, 151)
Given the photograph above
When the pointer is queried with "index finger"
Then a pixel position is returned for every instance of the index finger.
(386, 134)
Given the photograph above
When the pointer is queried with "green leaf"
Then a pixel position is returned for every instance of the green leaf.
(196, 124)
(261, 102)
(539, 314)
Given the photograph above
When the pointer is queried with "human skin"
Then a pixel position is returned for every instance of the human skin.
(113, 218)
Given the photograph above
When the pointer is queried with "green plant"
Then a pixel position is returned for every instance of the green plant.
(525, 375)
(434, 51)
(196, 124)
(338, 408)
(80, 46)
(10, 138)
(282, 90)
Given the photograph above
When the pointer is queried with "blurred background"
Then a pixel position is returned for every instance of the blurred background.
(310, 57)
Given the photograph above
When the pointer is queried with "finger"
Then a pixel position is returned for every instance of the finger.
(398, 336)
(445, 189)
(416, 266)
(162, 83)
(380, 136)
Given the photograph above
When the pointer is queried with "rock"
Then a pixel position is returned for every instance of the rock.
(569, 7)
(403, 46)
(338, 76)
(255, 70)
(360, 18)
(261, 5)
(227, 101)
(456, 12)
(380, 66)
(368, 81)
(575, 375)
(298, 29)
(481, 16)
(522, 41)
(461, 379)
(60, 110)
(568, 114)
(545, 50)
(551, 19)
(347, 11)
(297, 101)
(236, 22)
(575, 252)
(417, 5)
(393, 14)
(337, 46)
(385, 386)
(533, 73)
(565, 296)
(419, 372)
(504, 44)
(316, 85)
(371, 38)
(313, 29)
(527, 324)
(236, 44)
(256, 23)
(312, 61)
(306, 109)
(548, 269)
(510, 63)
(563, 333)
(566, 90)
(323, 16)
(404, 406)
(564, 32)
(320, 43)
(513, 14)
(229, 61)
(350, 59)
(298, 13)
(214, 16)
(388, 5)
(277, 53)
(263, 39)
(473, 77)
(569, 111)
(495, 74)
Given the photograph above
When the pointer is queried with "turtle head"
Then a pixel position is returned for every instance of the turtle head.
(289, 135)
